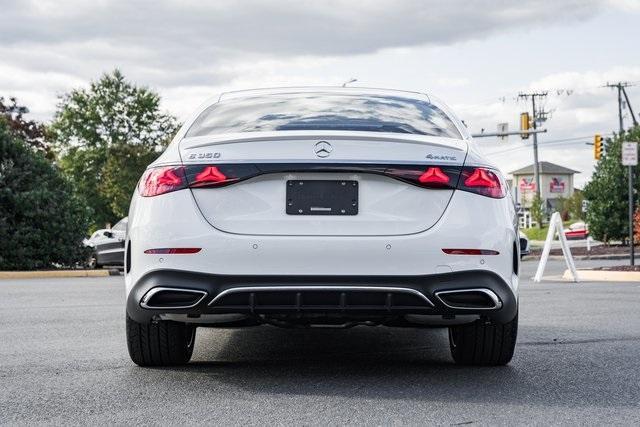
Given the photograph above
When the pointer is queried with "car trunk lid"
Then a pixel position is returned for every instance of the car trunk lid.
(386, 205)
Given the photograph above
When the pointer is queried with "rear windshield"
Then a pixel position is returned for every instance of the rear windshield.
(324, 111)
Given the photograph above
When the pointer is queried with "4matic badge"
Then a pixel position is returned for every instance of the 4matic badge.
(437, 157)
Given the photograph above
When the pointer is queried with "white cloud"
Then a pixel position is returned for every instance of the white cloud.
(284, 26)
(628, 5)
(170, 42)
(189, 50)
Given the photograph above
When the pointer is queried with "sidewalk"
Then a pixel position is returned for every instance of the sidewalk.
(43, 274)
(582, 257)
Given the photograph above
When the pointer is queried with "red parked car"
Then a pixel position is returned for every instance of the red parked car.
(577, 230)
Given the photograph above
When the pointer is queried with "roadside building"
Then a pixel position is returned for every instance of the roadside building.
(555, 181)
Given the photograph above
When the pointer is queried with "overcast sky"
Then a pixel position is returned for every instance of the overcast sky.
(476, 55)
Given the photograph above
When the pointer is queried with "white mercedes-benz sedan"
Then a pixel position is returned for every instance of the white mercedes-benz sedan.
(322, 207)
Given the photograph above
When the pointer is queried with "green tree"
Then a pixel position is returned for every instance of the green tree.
(31, 132)
(562, 206)
(537, 210)
(121, 172)
(42, 222)
(607, 192)
(93, 127)
(574, 205)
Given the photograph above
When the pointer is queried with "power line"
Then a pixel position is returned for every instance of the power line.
(552, 92)
(566, 141)
(546, 144)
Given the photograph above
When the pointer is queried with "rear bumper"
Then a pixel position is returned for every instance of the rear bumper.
(174, 221)
(364, 297)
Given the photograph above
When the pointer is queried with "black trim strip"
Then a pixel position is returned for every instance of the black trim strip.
(409, 173)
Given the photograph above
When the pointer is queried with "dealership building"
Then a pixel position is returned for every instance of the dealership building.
(555, 182)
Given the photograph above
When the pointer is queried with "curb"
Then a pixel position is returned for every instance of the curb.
(605, 276)
(579, 257)
(43, 274)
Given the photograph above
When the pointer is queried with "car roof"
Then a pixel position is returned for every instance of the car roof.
(352, 90)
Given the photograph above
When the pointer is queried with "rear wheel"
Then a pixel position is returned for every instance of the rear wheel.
(483, 342)
(161, 343)
(92, 262)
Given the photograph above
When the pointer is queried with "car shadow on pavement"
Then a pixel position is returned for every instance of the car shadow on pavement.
(396, 363)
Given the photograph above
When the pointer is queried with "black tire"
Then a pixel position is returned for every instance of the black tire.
(161, 343)
(92, 262)
(483, 343)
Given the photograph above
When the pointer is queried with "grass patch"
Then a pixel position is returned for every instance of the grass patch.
(536, 233)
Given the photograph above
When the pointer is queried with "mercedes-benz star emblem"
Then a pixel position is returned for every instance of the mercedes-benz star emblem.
(323, 149)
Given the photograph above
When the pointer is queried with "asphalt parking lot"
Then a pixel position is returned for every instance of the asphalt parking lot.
(63, 360)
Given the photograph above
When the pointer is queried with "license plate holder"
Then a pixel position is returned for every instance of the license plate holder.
(322, 197)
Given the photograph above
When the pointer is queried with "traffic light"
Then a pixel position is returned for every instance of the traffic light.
(597, 147)
(525, 125)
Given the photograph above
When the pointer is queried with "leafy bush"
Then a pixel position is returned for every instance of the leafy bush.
(608, 192)
(537, 210)
(42, 223)
(574, 205)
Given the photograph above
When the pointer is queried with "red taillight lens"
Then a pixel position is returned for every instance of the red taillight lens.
(434, 175)
(162, 180)
(209, 175)
(220, 175)
(482, 181)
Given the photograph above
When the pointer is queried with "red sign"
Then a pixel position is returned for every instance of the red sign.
(556, 185)
(527, 184)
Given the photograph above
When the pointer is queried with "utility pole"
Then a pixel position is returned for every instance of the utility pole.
(620, 86)
(536, 116)
(626, 97)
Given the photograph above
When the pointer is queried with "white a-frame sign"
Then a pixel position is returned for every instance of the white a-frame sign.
(555, 226)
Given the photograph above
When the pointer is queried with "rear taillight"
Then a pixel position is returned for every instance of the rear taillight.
(478, 180)
(165, 179)
(162, 180)
(482, 181)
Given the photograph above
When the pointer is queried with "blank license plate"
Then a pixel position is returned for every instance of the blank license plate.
(322, 197)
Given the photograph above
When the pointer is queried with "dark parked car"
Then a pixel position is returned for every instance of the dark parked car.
(108, 245)
(524, 244)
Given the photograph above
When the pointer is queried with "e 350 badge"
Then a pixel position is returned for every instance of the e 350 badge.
(198, 156)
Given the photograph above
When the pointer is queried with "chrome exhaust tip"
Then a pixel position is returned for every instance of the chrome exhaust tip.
(172, 298)
(470, 299)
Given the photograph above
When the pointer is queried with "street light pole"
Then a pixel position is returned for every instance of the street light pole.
(631, 215)
(620, 86)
